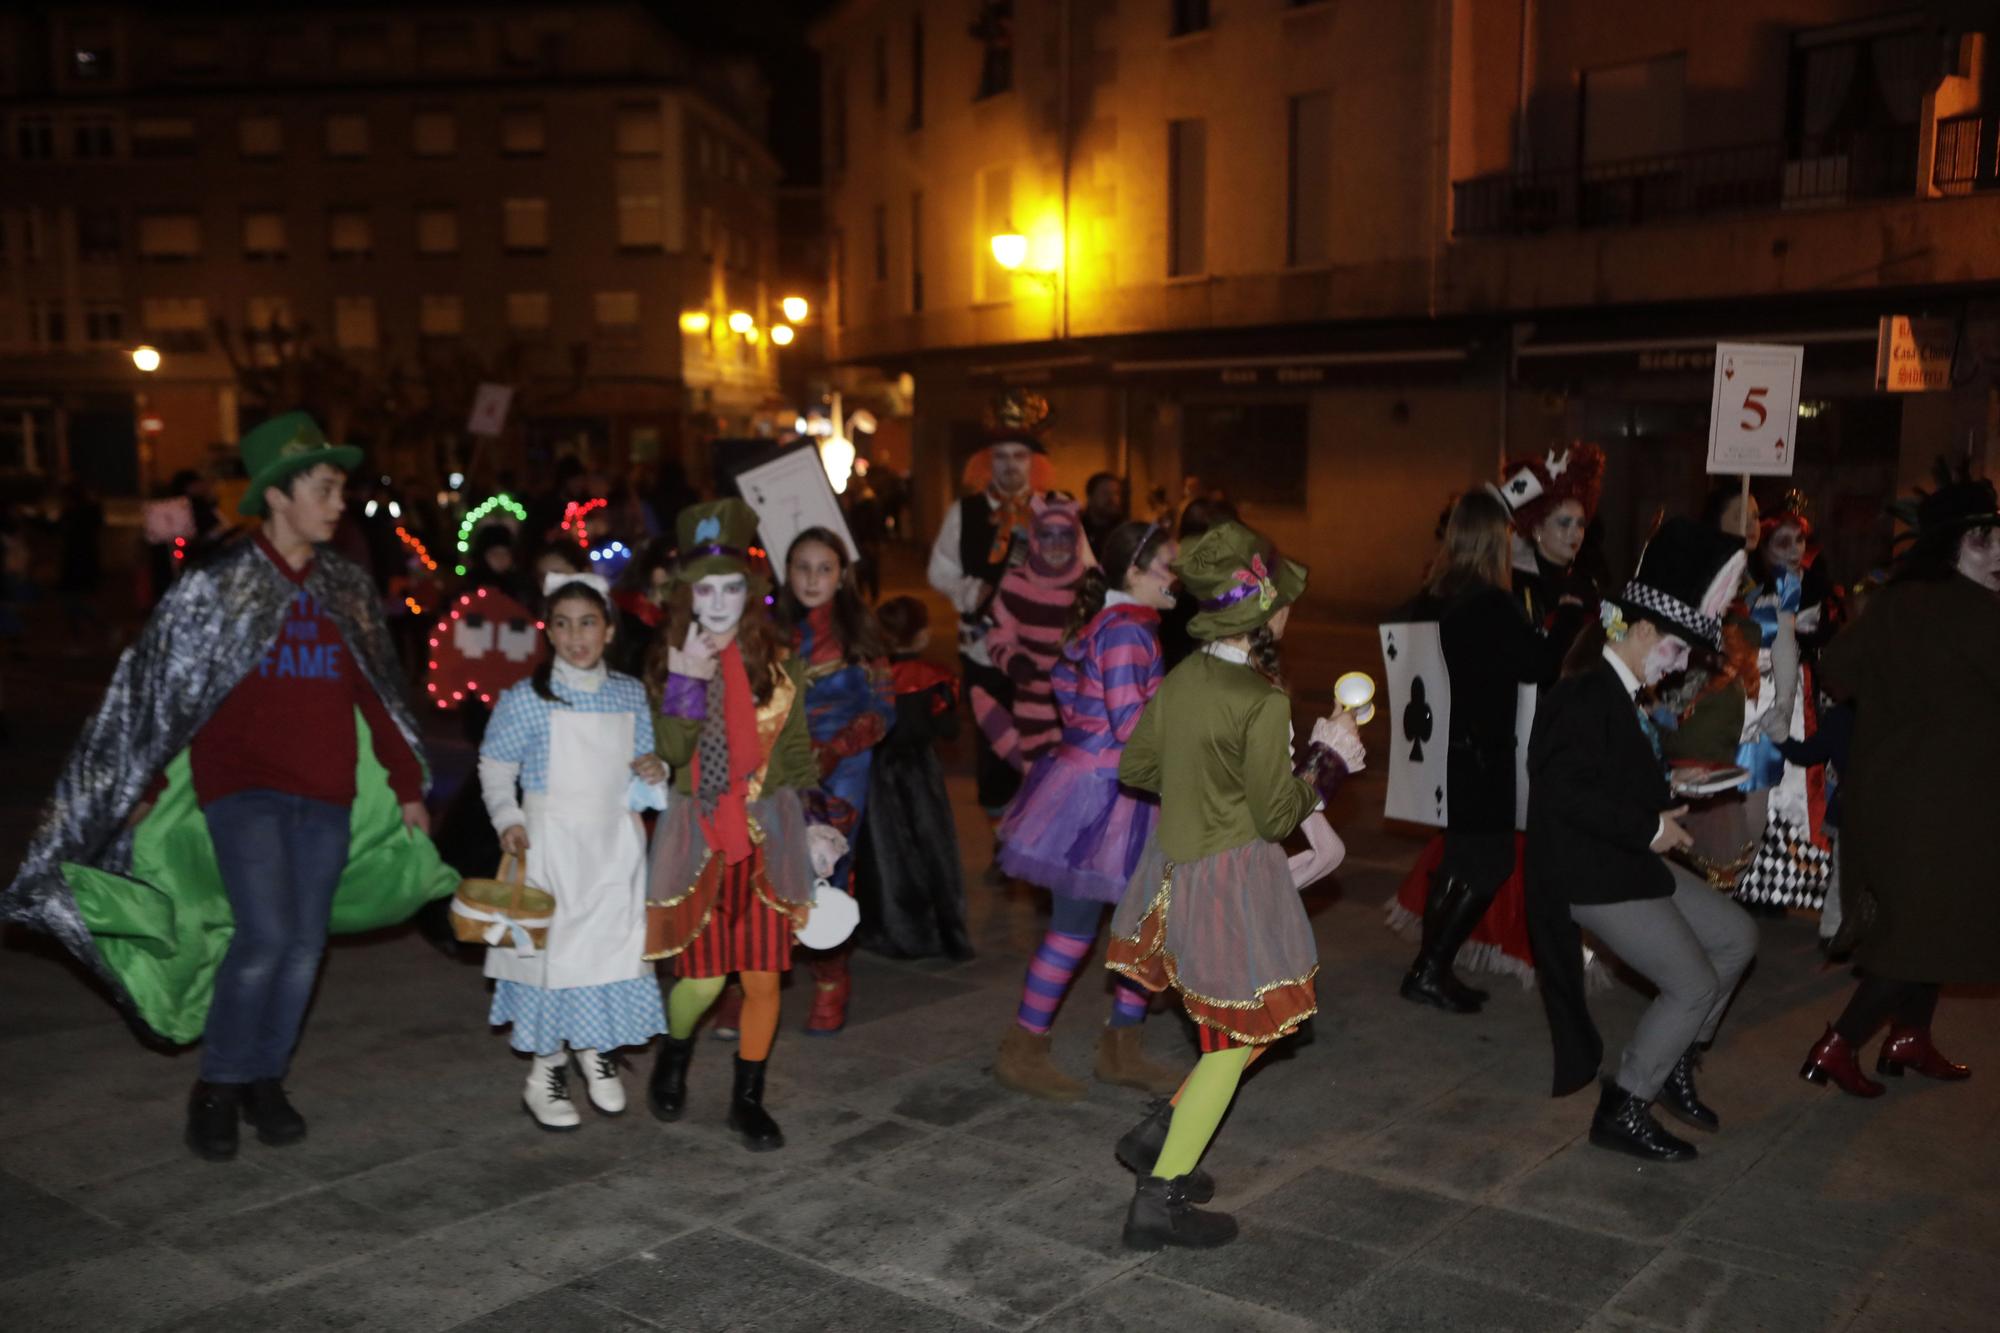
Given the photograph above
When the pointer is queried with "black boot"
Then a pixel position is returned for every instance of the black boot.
(1140, 1148)
(213, 1110)
(1624, 1123)
(271, 1114)
(747, 1115)
(1679, 1098)
(1451, 914)
(667, 1092)
(1161, 1214)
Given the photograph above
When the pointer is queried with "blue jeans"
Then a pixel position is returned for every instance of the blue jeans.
(281, 858)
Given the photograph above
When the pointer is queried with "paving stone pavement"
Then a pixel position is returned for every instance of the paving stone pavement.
(1402, 1170)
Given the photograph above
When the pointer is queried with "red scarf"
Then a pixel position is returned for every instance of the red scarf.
(729, 827)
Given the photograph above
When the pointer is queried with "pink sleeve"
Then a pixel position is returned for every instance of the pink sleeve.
(1129, 662)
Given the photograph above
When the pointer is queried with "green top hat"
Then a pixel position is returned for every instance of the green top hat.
(282, 447)
(1240, 581)
(715, 538)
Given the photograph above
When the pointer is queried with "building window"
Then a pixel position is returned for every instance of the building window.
(1309, 175)
(260, 137)
(441, 317)
(361, 48)
(93, 57)
(524, 227)
(48, 323)
(354, 326)
(917, 252)
(286, 51)
(881, 69)
(881, 243)
(437, 231)
(1187, 198)
(996, 215)
(638, 131)
(349, 234)
(98, 234)
(174, 314)
(1188, 16)
(33, 235)
(194, 51)
(916, 71)
(267, 326)
(617, 310)
(95, 137)
(994, 31)
(836, 119)
(528, 312)
(1259, 448)
(162, 136)
(434, 134)
(103, 323)
(524, 131)
(264, 235)
(170, 236)
(35, 137)
(641, 222)
(347, 135)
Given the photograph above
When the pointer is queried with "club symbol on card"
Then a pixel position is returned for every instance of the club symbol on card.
(1390, 651)
(1417, 720)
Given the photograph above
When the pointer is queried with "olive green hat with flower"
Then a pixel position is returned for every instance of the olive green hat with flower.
(1238, 578)
(717, 537)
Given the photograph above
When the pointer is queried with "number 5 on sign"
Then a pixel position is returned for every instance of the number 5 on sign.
(1753, 418)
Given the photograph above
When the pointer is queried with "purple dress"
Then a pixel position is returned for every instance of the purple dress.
(1073, 830)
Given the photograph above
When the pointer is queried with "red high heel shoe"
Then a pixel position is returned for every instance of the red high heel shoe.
(1911, 1048)
(1834, 1059)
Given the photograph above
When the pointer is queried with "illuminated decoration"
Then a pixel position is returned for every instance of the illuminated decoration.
(487, 643)
(694, 321)
(836, 455)
(146, 359)
(611, 559)
(795, 309)
(456, 481)
(783, 335)
(505, 503)
(741, 321)
(417, 549)
(1010, 250)
(862, 420)
(574, 514)
(753, 335)
(180, 549)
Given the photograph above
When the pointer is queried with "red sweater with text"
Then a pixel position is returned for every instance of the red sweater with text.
(288, 726)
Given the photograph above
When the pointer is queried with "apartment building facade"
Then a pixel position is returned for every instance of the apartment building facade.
(1337, 257)
(373, 209)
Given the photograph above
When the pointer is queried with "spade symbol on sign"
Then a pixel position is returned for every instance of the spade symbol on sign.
(757, 494)
(1391, 649)
(1417, 720)
(1519, 486)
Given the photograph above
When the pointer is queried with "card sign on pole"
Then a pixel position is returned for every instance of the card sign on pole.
(790, 494)
(489, 409)
(1753, 416)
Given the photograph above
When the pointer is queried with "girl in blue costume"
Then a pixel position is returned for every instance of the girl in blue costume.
(850, 702)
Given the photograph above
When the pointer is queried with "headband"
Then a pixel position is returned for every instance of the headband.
(562, 578)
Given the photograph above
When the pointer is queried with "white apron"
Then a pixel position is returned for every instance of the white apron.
(588, 851)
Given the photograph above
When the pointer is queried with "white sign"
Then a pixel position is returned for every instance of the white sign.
(1914, 355)
(1419, 721)
(1753, 415)
(1524, 727)
(489, 409)
(790, 494)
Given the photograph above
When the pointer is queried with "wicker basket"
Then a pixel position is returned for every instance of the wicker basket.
(493, 911)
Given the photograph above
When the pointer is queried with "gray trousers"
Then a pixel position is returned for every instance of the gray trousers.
(1694, 948)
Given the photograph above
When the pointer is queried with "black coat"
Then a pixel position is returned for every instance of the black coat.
(1596, 791)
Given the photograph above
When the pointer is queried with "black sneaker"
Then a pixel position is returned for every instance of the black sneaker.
(271, 1115)
(213, 1109)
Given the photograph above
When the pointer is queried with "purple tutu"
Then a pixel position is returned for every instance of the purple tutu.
(1074, 831)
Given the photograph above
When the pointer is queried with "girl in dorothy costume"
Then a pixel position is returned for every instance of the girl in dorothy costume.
(578, 739)
(1212, 909)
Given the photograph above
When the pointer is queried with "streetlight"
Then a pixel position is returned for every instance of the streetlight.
(694, 321)
(782, 335)
(741, 321)
(795, 309)
(1010, 250)
(146, 358)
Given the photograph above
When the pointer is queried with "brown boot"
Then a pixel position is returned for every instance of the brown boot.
(1121, 1060)
(1024, 1066)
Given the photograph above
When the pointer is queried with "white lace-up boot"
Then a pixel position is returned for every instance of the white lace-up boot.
(600, 1081)
(547, 1094)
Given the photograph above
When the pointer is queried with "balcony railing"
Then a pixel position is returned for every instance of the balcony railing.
(1821, 173)
(1968, 153)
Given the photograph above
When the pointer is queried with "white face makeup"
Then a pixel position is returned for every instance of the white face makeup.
(1560, 535)
(1669, 655)
(1979, 557)
(1785, 548)
(719, 600)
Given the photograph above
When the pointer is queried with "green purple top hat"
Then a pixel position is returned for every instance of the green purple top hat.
(1239, 580)
(283, 447)
(715, 538)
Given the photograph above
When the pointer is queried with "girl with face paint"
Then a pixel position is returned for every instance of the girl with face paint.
(733, 859)
(1553, 500)
(1030, 614)
(850, 703)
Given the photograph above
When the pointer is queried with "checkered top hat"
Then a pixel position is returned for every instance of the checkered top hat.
(1687, 576)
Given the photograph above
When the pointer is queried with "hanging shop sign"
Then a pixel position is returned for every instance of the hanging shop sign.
(1914, 355)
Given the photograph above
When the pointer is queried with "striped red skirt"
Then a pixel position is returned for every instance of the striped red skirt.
(742, 933)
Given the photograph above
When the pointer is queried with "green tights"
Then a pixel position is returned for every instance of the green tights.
(1203, 1099)
(688, 1001)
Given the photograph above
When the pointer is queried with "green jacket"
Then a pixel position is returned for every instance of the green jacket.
(790, 764)
(1215, 743)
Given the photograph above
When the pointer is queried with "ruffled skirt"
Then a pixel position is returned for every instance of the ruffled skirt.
(692, 888)
(1229, 933)
(584, 1018)
(1074, 831)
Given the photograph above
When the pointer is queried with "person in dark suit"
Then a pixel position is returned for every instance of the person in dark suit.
(1601, 820)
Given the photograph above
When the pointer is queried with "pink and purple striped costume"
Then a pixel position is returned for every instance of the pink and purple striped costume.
(1030, 611)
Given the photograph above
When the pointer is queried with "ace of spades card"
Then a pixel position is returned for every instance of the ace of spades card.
(1419, 721)
(790, 494)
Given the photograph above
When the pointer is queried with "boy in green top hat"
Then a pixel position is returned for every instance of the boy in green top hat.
(220, 813)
